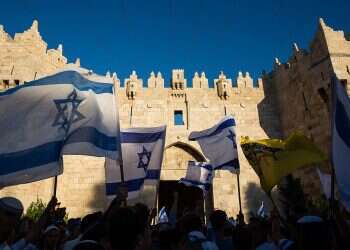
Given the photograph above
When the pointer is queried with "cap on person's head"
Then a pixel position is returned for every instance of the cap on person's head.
(50, 228)
(88, 245)
(309, 219)
(11, 205)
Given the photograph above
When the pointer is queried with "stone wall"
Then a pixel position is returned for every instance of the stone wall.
(301, 88)
(286, 99)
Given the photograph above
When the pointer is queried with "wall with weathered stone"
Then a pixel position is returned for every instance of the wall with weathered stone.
(302, 90)
(284, 100)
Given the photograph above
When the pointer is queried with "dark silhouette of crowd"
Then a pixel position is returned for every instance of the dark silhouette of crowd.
(123, 227)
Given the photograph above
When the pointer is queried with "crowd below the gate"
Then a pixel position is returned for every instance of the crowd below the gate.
(123, 227)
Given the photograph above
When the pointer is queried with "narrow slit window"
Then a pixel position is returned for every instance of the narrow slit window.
(178, 118)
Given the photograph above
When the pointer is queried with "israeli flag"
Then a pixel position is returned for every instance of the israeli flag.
(199, 174)
(162, 216)
(142, 151)
(261, 211)
(326, 182)
(219, 145)
(65, 113)
(341, 140)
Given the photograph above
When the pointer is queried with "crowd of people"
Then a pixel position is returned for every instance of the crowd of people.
(123, 227)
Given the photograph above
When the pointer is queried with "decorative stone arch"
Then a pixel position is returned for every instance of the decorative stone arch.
(198, 156)
(176, 156)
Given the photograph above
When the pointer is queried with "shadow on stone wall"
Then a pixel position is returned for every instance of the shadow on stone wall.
(268, 112)
(98, 200)
(254, 195)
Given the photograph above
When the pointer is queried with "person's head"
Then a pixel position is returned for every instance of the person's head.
(142, 214)
(73, 226)
(190, 222)
(312, 233)
(125, 230)
(11, 210)
(88, 245)
(25, 225)
(51, 237)
(218, 220)
(89, 220)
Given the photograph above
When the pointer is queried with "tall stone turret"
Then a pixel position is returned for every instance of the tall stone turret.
(133, 84)
(223, 86)
(178, 80)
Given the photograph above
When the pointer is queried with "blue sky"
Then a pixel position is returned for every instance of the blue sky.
(197, 35)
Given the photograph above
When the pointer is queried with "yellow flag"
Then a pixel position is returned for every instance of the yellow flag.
(273, 159)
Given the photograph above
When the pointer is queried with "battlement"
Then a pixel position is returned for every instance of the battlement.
(27, 56)
(328, 46)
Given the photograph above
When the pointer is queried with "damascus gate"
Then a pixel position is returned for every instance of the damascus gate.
(189, 102)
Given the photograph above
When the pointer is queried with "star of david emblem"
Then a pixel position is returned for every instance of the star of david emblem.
(144, 158)
(68, 111)
(232, 137)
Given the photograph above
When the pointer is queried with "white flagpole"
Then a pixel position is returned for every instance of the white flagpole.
(120, 143)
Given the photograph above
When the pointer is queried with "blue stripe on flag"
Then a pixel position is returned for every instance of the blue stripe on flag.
(67, 77)
(153, 174)
(233, 163)
(205, 166)
(93, 136)
(29, 158)
(226, 124)
(196, 183)
(342, 123)
(133, 185)
(131, 137)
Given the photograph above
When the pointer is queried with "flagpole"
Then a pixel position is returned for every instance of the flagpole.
(120, 160)
(237, 175)
(239, 195)
(55, 186)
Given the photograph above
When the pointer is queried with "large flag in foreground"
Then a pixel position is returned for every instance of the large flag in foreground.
(219, 144)
(142, 150)
(273, 159)
(199, 174)
(341, 141)
(65, 113)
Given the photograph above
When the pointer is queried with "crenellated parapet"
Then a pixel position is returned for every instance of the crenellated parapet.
(133, 84)
(223, 86)
(244, 81)
(155, 81)
(31, 38)
(25, 57)
(200, 82)
(4, 37)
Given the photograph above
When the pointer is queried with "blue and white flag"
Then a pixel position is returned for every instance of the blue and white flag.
(142, 151)
(219, 145)
(65, 113)
(341, 140)
(326, 182)
(199, 174)
(162, 216)
(261, 211)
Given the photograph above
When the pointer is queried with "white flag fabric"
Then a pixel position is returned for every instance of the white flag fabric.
(65, 113)
(261, 211)
(341, 140)
(325, 180)
(219, 145)
(162, 216)
(142, 152)
(199, 174)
